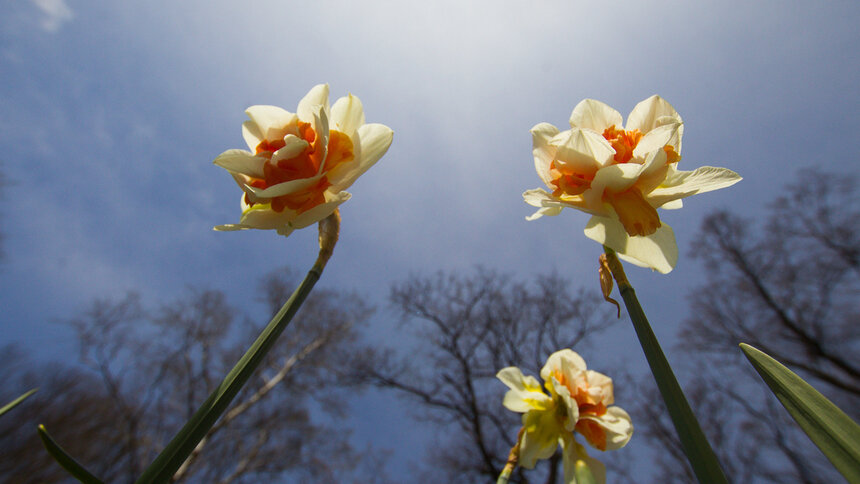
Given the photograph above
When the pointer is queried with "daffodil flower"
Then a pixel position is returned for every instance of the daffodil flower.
(300, 163)
(620, 176)
(576, 401)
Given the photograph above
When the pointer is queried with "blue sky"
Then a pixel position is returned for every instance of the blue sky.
(111, 113)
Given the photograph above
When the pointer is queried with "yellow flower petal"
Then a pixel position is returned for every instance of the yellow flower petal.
(540, 438)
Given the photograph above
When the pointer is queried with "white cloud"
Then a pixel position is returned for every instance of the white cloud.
(56, 13)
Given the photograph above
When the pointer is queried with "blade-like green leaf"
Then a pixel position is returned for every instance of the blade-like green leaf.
(827, 426)
(14, 403)
(66, 461)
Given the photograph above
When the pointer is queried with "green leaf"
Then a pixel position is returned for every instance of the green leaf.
(14, 403)
(62, 458)
(827, 426)
(177, 450)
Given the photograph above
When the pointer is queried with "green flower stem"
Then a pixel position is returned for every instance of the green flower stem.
(696, 447)
(69, 464)
(505, 475)
(513, 458)
(14, 403)
(171, 458)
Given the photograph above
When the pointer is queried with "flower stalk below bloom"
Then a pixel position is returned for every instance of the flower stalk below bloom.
(178, 449)
(513, 457)
(693, 441)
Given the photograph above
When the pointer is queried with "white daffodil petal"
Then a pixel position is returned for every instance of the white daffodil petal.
(347, 114)
(293, 146)
(687, 183)
(582, 151)
(701, 180)
(657, 138)
(525, 392)
(241, 161)
(654, 170)
(616, 178)
(252, 135)
(657, 251)
(272, 121)
(537, 197)
(600, 387)
(241, 180)
(310, 104)
(230, 227)
(282, 189)
(571, 408)
(373, 141)
(671, 205)
(322, 132)
(550, 205)
(646, 114)
(565, 361)
(320, 211)
(512, 377)
(594, 115)
(545, 211)
(616, 424)
(542, 150)
(261, 216)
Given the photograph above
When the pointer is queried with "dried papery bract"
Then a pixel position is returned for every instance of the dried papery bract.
(606, 283)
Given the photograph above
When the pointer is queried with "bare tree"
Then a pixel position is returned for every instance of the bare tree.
(150, 369)
(66, 400)
(789, 289)
(468, 328)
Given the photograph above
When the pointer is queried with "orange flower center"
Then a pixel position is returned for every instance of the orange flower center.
(588, 406)
(303, 165)
(624, 142)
